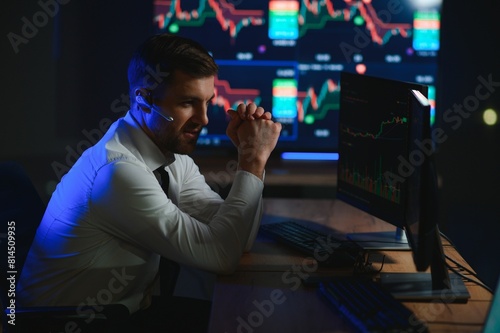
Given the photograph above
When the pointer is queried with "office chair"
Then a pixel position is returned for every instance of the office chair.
(21, 209)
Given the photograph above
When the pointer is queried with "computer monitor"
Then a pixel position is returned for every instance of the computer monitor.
(373, 127)
(421, 223)
(421, 207)
(287, 56)
(386, 168)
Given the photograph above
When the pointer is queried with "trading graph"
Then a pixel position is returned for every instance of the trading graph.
(374, 125)
(317, 103)
(229, 98)
(367, 172)
(172, 15)
(377, 135)
(316, 14)
(385, 130)
(370, 179)
(242, 83)
(287, 56)
(314, 105)
(373, 138)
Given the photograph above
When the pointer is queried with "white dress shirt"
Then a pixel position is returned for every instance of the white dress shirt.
(109, 221)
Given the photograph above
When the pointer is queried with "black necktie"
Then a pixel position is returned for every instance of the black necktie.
(164, 179)
(168, 269)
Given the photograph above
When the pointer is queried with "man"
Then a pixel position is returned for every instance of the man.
(109, 220)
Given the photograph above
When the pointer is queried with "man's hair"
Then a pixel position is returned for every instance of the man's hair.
(155, 60)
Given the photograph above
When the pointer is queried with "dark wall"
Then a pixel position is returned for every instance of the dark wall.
(95, 42)
(468, 161)
(27, 80)
(65, 75)
(64, 78)
(62, 86)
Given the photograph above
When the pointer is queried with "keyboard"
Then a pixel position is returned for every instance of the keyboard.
(369, 307)
(327, 249)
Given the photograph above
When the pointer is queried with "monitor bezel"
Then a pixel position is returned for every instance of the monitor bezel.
(421, 219)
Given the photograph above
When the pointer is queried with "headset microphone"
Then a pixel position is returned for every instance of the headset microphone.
(167, 118)
(142, 102)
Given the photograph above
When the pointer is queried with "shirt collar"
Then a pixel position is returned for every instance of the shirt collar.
(150, 153)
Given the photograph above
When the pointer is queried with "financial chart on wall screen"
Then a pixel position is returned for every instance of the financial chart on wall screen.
(287, 55)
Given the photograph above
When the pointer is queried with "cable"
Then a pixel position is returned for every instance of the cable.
(478, 282)
(461, 266)
(476, 279)
(447, 238)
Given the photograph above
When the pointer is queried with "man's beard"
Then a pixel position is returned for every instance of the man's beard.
(178, 145)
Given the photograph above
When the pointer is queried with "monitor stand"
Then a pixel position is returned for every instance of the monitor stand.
(419, 286)
(384, 240)
(437, 285)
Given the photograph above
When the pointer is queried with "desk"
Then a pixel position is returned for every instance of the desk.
(265, 293)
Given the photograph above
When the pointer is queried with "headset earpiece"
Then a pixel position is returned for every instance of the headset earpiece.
(143, 98)
(142, 101)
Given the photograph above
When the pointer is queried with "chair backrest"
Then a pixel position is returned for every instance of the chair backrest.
(21, 210)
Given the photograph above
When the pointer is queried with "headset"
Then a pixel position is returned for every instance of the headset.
(142, 102)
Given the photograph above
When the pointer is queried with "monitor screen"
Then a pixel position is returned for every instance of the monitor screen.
(373, 144)
(287, 56)
(386, 168)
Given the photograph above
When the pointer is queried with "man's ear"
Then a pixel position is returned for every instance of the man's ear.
(142, 98)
